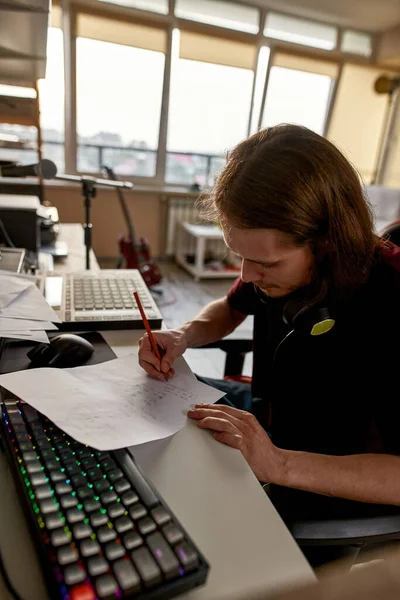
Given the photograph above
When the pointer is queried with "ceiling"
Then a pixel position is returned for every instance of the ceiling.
(371, 15)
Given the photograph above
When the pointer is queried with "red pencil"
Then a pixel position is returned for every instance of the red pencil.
(153, 342)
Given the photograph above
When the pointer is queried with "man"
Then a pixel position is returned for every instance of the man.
(325, 294)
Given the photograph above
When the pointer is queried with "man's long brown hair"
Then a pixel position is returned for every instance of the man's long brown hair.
(293, 180)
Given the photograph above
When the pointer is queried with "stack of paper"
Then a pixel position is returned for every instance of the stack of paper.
(24, 312)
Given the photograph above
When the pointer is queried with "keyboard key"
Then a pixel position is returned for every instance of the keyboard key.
(89, 463)
(68, 501)
(26, 446)
(127, 577)
(91, 504)
(106, 534)
(89, 548)
(172, 533)
(123, 524)
(73, 469)
(95, 474)
(122, 486)
(59, 537)
(84, 452)
(54, 521)
(78, 480)
(48, 455)
(84, 591)
(67, 555)
(52, 465)
(132, 540)
(42, 492)
(81, 531)
(108, 465)
(129, 498)
(115, 510)
(48, 506)
(29, 456)
(43, 444)
(97, 565)
(34, 467)
(146, 525)
(63, 488)
(100, 455)
(29, 413)
(146, 565)
(163, 554)
(74, 574)
(101, 486)
(38, 479)
(84, 493)
(137, 511)
(114, 551)
(115, 475)
(108, 497)
(74, 515)
(187, 555)
(160, 515)
(56, 476)
(22, 437)
(106, 586)
(97, 519)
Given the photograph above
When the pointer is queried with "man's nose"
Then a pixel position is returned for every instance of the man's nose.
(249, 272)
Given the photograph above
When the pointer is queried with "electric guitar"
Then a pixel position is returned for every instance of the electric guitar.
(135, 253)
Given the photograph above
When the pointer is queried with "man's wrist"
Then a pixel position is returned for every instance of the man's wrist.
(186, 335)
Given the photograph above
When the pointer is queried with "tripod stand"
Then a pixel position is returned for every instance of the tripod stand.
(89, 191)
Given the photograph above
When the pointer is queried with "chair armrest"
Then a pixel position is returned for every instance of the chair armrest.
(342, 532)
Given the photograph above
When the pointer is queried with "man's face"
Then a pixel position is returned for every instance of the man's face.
(270, 260)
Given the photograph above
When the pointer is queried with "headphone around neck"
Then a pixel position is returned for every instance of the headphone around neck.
(303, 318)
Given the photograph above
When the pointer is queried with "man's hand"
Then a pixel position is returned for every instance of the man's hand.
(241, 430)
(172, 344)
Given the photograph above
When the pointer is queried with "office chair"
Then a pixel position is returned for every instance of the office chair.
(353, 533)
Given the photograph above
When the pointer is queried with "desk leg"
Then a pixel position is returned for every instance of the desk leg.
(200, 252)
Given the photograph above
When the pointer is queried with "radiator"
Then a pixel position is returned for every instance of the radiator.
(183, 209)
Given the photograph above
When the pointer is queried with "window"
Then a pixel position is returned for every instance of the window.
(300, 31)
(356, 43)
(210, 99)
(51, 98)
(158, 6)
(357, 132)
(220, 13)
(299, 92)
(18, 118)
(119, 91)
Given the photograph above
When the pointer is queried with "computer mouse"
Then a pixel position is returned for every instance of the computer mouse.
(65, 350)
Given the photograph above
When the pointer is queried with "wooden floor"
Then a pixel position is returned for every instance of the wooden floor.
(181, 300)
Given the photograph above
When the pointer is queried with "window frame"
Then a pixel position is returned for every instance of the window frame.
(169, 22)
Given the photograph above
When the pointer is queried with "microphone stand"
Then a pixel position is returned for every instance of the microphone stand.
(88, 192)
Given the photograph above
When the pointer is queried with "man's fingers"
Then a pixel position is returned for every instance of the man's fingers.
(242, 415)
(148, 357)
(150, 370)
(199, 413)
(217, 424)
(230, 439)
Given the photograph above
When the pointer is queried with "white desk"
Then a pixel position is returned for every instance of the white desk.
(212, 491)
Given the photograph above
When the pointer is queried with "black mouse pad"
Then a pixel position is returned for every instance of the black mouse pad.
(14, 355)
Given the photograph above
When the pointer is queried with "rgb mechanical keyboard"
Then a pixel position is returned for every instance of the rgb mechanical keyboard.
(100, 529)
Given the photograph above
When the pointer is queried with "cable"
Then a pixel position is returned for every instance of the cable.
(3, 572)
(6, 236)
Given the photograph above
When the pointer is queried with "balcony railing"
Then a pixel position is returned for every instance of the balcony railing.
(182, 168)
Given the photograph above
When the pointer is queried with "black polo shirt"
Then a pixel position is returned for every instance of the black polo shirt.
(336, 393)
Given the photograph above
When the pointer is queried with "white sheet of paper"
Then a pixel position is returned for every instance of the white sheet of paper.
(10, 324)
(30, 336)
(28, 304)
(110, 405)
